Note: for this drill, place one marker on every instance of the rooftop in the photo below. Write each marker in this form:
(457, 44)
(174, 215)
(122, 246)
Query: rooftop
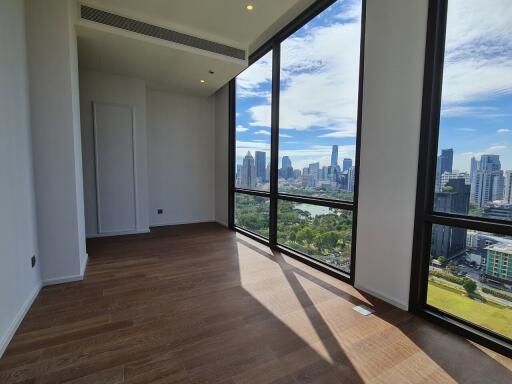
(500, 247)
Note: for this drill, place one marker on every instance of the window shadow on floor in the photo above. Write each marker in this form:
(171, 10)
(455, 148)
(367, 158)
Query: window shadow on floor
(449, 351)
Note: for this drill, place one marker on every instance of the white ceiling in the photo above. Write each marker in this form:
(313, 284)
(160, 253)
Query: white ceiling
(168, 66)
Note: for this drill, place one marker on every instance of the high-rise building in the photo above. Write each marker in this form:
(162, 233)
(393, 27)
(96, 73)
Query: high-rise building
(347, 164)
(308, 180)
(334, 155)
(450, 241)
(261, 163)
(314, 172)
(351, 179)
(446, 160)
(286, 172)
(248, 177)
(473, 169)
(324, 173)
(507, 193)
(286, 162)
(490, 163)
(488, 182)
(438, 175)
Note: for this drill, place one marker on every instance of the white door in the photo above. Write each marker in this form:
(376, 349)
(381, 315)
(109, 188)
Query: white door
(115, 168)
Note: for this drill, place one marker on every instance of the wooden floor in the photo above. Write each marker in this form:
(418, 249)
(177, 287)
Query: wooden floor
(201, 304)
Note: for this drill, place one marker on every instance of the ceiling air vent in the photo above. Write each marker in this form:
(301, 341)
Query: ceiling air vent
(112, 20)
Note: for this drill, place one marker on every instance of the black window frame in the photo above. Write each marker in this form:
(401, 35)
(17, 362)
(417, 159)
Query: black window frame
(274, 45)
(425, 215)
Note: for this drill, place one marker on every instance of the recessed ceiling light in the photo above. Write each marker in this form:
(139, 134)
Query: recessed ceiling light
(203, 81)
(249, 7)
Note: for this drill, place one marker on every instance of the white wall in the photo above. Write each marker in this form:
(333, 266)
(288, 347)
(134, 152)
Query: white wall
(180, 158)
(221, 155)
(101, 87)
(19, 282)
(55, 125)
(393, 80)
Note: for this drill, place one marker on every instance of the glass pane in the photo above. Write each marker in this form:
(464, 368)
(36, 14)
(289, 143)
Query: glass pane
(252, 213)
(475, 137)
(320, 232)
(253, 105)
(471, 277)
(318, 104)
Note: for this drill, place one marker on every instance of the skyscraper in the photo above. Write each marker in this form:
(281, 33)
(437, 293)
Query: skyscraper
(446, 160)
(490, 163)
(488, 183)
(347, 164)
(287, 168)
(438, 175)
(261, 165)
(450, 241)
(351, 179)
(334, 155)
(473, 169)
(248, 179)
(507, 195)
(314, 172)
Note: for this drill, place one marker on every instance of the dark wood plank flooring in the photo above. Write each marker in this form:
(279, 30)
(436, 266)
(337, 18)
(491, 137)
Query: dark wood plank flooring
(201, 304)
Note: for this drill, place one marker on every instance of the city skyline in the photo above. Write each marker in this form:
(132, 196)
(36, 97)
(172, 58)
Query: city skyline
(329, 180)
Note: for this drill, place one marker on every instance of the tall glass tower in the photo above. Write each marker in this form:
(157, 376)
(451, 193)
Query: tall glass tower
(334, 156)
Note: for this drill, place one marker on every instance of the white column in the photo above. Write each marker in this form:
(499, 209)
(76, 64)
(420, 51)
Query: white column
(55, 119)
(392, 98)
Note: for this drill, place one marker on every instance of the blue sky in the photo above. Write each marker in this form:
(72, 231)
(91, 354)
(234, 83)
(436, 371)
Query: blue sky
(477, 88)
(319, 86)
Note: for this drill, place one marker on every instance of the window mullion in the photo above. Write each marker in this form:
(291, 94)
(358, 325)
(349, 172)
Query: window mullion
(274, 141)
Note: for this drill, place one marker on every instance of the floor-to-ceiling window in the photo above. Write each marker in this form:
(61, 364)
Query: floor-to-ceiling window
(463, 246)
(295, 123)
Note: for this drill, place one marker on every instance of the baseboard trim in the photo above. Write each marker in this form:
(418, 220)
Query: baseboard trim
(396, 303)
(122, 233)
(83, 266)
(222, 223)
(67, 279)
(182, 223)
(6, 339)
(62, 280)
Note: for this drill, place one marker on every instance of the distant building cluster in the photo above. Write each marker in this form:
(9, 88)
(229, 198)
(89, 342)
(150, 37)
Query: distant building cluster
(490, 186)
(487, 189)
(255, 172)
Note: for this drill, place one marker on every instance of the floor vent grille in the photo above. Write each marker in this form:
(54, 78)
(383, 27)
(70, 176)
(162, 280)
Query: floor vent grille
(113, 20)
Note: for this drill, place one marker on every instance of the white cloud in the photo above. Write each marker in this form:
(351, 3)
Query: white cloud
(242, 147)
(285, 135)
(496, 148)
(249, 83)
(503, 130)
(459, 110)
(339, 134)
(241, 128)
(466, 129)
(320, 76)
(478, 55)
(262, 132)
